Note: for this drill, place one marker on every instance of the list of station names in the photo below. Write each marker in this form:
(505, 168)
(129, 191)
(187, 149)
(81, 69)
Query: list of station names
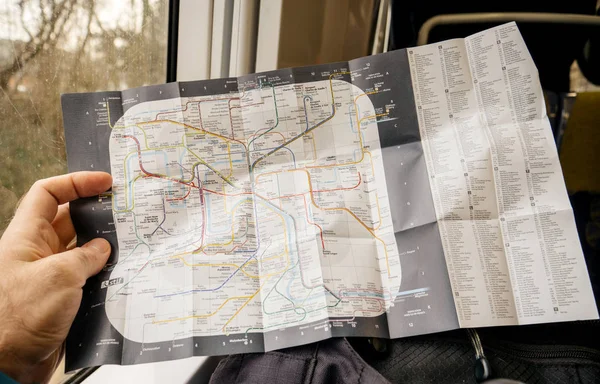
(506, 224)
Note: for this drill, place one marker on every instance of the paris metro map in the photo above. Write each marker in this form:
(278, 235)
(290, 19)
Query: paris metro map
(379, 197)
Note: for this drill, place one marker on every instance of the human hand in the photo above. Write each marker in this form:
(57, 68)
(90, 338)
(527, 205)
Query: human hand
(40, 280)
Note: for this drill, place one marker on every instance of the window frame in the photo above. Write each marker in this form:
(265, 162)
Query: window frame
(173, 40)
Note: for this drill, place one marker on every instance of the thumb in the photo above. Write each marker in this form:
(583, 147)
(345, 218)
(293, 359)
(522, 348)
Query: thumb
(90, 258)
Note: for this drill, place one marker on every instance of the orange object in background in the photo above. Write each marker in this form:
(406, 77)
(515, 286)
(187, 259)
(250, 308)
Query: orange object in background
(580, 150)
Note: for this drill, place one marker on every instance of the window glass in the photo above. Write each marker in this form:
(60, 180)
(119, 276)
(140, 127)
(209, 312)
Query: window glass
(49, 47)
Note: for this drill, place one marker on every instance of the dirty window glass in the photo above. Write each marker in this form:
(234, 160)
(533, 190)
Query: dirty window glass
(49, 47)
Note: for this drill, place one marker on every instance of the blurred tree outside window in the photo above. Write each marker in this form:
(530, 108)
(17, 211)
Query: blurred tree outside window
(49, 47)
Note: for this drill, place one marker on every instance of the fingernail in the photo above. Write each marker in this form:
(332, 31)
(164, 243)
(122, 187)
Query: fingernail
(100, 245)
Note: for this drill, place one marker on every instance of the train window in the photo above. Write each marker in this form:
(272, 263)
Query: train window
(49, 47)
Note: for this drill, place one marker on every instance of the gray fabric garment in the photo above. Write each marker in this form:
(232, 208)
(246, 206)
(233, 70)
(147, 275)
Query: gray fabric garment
(329, 361)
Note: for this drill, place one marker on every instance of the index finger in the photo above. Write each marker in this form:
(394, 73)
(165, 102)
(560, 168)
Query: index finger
(46, 195)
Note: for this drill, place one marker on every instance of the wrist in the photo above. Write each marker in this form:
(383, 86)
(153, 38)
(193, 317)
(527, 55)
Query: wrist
(5, 379)
(10, 365)
(8, 369)
(13, 370)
